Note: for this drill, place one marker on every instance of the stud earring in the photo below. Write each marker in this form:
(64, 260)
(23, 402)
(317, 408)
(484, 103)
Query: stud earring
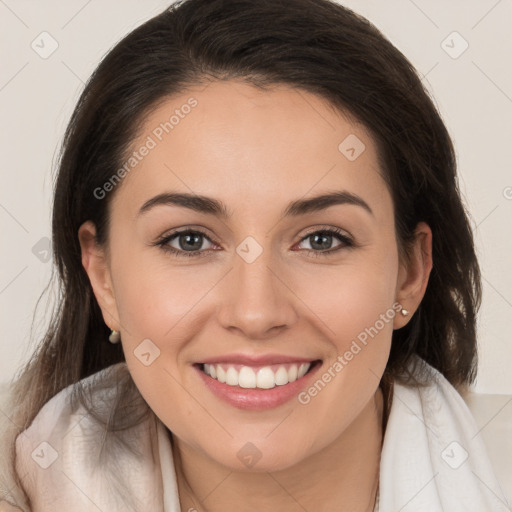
(114, 337)
(404, 312)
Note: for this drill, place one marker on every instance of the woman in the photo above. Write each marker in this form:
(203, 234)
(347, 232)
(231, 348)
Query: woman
(257, 206)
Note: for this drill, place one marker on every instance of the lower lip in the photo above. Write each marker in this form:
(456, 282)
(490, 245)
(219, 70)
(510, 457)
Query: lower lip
(254, 398)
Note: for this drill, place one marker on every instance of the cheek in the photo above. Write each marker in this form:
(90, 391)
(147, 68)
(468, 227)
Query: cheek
(351, 296)
(155, 305)
(354, 303)
(153, 293)
(357, 314)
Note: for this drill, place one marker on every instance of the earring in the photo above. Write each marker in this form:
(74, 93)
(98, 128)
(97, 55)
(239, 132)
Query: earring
(115, 337)
(404, 312)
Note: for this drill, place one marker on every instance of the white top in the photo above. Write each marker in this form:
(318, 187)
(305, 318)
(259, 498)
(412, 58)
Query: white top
(433, 458)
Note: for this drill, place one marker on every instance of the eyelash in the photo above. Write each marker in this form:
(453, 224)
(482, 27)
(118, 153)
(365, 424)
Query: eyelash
(163, 242)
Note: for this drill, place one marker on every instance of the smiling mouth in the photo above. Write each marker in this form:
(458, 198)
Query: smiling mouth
(257, 377)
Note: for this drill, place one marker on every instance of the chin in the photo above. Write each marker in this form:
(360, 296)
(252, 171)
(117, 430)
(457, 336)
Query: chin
(254, 457)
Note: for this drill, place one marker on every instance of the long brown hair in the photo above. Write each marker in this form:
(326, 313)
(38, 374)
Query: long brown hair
(313, 45)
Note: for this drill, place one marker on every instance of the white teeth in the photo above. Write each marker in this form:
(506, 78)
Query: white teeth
(304, 367)
(264, 378)
(232, 377)
(246, 377)
(281, 376)
(292, 373)
(221, 374)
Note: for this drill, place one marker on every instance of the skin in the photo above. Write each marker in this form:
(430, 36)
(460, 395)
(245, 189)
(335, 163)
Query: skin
(257, 151)
(7, 507)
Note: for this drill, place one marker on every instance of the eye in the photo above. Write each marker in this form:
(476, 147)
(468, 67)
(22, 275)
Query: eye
(320, 242)
(185, 243)
(190, 242)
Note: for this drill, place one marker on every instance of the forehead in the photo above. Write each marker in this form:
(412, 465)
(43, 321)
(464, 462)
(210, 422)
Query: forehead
(251, 146)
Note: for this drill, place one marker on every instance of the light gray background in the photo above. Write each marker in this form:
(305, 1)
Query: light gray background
(472, 91)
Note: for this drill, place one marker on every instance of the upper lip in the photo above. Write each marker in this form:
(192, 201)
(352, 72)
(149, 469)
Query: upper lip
(252, 360)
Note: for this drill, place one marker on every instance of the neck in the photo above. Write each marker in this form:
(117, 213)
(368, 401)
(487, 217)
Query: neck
(342, 476)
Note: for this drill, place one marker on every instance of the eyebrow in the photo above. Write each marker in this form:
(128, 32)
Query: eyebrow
(210, 206)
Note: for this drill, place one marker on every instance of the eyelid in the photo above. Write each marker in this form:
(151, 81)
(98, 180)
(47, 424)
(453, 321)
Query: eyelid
(347, 241)
(317, 229)
(166, 237)
(187, 229)
(344, 237)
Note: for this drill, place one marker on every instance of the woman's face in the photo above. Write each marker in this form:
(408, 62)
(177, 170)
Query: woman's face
(264, 283)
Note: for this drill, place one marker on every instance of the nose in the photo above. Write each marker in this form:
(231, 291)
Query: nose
(257, 300)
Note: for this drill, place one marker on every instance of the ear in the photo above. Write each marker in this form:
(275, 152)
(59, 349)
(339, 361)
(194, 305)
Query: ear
(414, 273)
(95, 262)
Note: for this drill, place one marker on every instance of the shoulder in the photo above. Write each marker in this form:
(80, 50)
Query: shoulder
(35, 448)
(432, 435)
(81, 437)
(433, 402)
(68, 407)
